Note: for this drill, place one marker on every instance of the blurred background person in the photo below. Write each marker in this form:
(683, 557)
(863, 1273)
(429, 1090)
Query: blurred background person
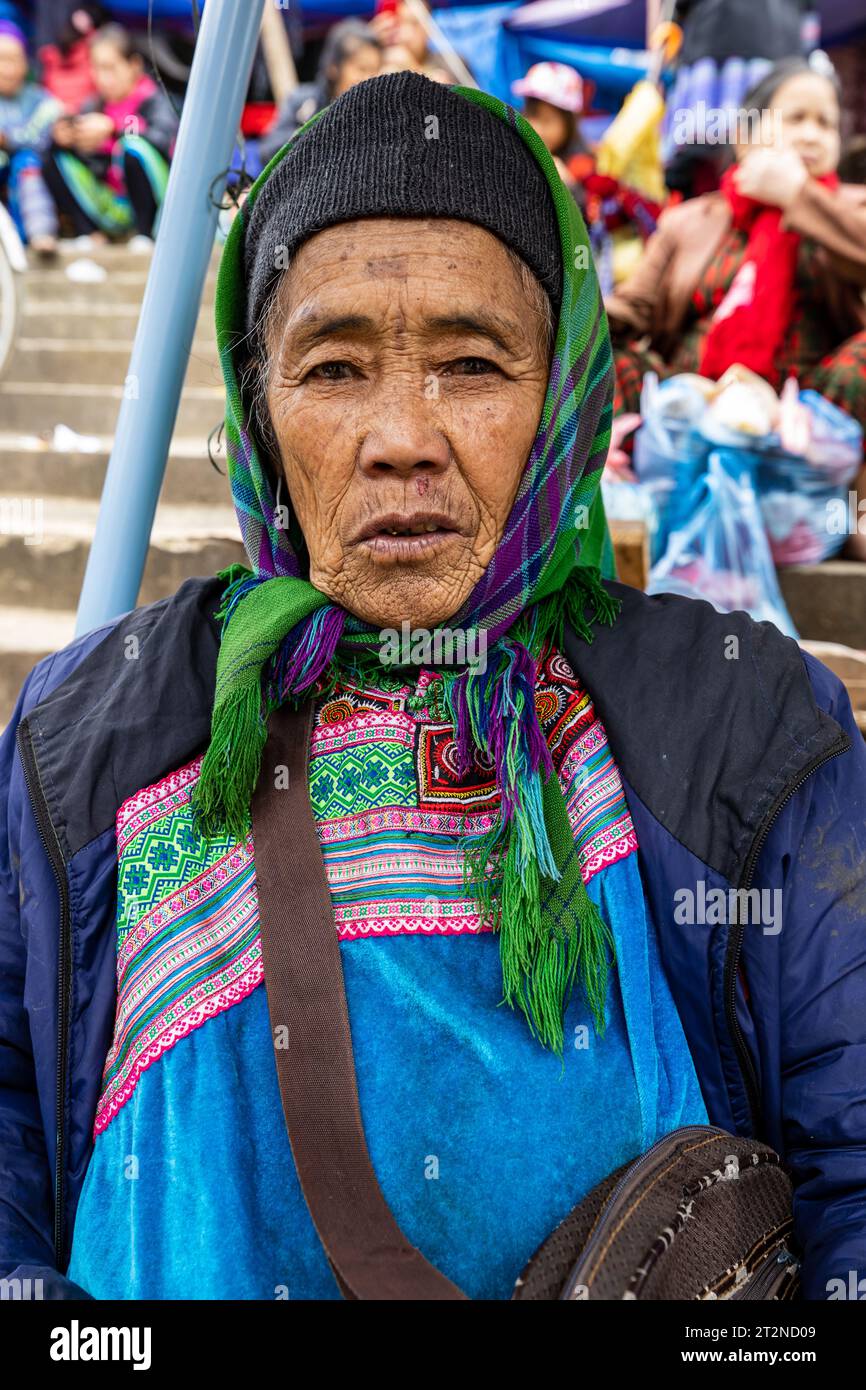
(351, 53)
(768, 272)
(65, 64)
(727, 46)
(27, 114)
(108, 168)
(619, 218)
(406, 41)
(554, 97)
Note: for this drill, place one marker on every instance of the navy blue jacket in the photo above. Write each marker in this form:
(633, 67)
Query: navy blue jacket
(742, 767)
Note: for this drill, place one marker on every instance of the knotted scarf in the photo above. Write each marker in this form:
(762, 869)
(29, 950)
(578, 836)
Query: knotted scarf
(283, 639)
(750, 323)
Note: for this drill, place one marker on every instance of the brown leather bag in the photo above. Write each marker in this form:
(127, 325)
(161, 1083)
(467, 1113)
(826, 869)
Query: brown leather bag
(702, 1214)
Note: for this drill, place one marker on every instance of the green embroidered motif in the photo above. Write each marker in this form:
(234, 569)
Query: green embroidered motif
(345, 781)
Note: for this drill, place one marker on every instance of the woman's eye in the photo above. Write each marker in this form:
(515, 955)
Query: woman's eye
(470, 366)
(332, 371)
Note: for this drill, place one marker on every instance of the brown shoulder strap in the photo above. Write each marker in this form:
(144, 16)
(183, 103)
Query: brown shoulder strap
(370, 1256)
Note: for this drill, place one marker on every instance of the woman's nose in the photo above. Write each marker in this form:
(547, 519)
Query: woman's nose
(404, 439)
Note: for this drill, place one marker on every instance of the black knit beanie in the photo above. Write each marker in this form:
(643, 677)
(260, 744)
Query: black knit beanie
(403, 146)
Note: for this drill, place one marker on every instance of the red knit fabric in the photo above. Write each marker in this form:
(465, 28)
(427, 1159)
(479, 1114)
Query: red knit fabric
(750, 323)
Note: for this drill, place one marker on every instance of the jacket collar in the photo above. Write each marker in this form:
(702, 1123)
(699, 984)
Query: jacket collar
(137, 707)
(710, 717)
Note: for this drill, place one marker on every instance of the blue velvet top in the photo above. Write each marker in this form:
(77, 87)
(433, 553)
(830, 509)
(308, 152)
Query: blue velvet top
(482, 1141)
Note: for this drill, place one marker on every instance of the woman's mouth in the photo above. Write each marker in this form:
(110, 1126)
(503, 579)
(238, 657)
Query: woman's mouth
(398, 538)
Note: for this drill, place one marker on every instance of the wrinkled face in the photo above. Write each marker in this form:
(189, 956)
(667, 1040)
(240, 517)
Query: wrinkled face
(363, 61)
(408, 367)
(806, 119)
(113, 75)
(13, 66)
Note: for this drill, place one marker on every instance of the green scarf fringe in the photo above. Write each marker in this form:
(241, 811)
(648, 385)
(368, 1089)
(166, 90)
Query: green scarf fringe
(524, 875)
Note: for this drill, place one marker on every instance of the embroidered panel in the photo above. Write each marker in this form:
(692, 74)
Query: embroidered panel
(399, 869)
(390, 810)
(188, 943)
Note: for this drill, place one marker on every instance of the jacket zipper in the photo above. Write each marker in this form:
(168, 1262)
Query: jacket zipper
(51, 844)
(735, 945)
(777, 1269)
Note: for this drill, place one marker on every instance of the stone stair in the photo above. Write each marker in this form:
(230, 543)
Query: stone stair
(69, 369)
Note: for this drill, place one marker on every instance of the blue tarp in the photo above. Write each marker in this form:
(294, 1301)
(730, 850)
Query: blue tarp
(500, 41)
(623, 22)
(498, 54)
(610, 24)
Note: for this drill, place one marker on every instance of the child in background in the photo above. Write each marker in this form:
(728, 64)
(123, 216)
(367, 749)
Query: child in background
(554, 98)
(767, 273)
(108, 168)
(27, 114)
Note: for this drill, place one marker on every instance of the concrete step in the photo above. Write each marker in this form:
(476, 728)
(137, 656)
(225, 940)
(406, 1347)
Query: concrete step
(44, 545)
(33, 468)
(113, 256)
(31, 407)
(118, 287)
(26, 635)
(827, 602)
(97, 362)
(77, 318)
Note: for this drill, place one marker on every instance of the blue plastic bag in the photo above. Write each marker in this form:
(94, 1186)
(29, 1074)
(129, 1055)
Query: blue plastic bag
(670, 454)
(722, 553)
(801, 496)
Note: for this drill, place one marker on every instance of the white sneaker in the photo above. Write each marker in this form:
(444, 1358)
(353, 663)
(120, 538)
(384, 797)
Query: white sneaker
(86, 272)
(140, 245)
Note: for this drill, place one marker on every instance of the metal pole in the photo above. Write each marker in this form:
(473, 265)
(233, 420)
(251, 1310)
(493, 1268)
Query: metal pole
(218, 83)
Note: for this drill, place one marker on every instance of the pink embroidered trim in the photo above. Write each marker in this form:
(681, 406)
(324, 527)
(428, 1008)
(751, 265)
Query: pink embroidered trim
(407, 919)
(347, 828)
(189, 895)
(166, 1032)
(152, 803)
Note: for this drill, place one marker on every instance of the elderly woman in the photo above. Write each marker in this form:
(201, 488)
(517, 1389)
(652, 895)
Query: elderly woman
(225, 798)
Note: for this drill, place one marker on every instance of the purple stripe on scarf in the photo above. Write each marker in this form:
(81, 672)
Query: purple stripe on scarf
(309, 658)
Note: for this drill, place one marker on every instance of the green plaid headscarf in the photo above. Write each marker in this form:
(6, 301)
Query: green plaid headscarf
(283, 639)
